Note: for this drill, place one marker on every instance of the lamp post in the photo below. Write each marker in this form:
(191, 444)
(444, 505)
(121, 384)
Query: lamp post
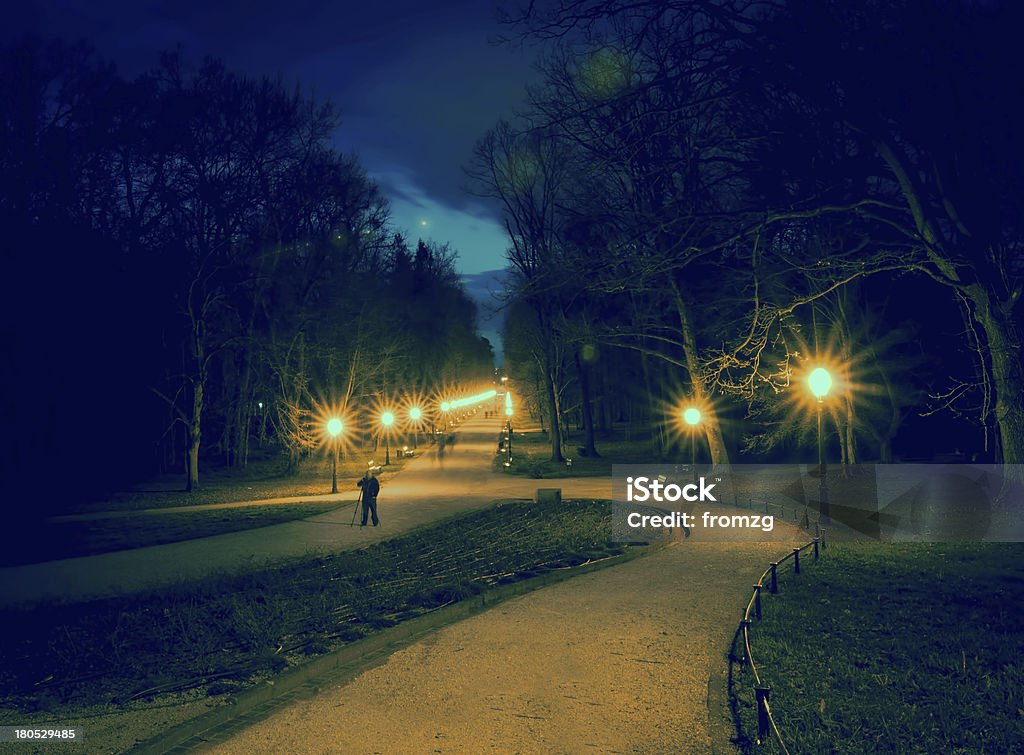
(508, 424)
(334, 428)
(445, 408)
(387, 419)
(414, 416)
(820, 383)
(692, 417)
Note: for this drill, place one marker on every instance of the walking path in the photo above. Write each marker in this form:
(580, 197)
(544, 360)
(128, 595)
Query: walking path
(613, 661)
(619, 660)
(427, 489)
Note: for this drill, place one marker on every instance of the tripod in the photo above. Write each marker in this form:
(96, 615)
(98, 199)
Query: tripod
(359, 500)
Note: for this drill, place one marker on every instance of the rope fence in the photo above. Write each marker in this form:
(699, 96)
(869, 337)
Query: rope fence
(766, 725)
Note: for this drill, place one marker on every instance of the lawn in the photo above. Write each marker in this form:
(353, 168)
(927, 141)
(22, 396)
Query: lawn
(909, 648)
(54, 540)
(531, 456)
(222, 634)
(264, 477)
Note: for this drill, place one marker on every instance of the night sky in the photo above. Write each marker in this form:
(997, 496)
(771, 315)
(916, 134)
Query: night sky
(416, 84)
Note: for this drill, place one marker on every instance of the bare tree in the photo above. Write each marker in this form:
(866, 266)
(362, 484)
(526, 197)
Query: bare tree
(528, 172)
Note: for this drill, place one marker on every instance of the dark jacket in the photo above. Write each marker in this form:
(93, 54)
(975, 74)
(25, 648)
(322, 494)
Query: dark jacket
(370, 486)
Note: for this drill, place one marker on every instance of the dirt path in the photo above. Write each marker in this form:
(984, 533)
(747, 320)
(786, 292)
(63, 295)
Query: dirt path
(615, 661)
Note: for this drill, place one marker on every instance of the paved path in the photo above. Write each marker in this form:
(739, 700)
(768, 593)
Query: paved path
(426, 490)
(615, 661)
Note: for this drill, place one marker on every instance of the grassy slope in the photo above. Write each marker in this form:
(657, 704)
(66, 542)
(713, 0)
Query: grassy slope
(55, 540)
(225, 632)
(910, 648)
(532, 456)
(263, 478)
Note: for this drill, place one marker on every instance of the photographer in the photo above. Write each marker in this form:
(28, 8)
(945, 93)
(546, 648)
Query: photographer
(371, 489)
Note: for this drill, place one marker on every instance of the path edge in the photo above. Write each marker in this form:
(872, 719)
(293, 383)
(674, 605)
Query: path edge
(347, 662)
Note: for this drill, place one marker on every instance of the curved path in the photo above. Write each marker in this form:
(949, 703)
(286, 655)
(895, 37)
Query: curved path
(619, 660)
(424, 491)
(613, 661)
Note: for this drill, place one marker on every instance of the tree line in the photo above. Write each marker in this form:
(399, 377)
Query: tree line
(705, 198)
(191, 265)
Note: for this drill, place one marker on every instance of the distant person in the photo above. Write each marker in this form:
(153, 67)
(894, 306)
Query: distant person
(371, 489)
(441, 443)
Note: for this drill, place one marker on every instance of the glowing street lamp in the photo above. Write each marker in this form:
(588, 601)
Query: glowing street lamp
(820, 383)
(692, 417)
(387, 419)
(445, 408)
(334, 429)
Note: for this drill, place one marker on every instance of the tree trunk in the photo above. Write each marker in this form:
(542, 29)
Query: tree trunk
(885, 450)
(540, 406)
(657, 435)
(555, 423)
(712, 427)
(1004, 347)
(195, 434)
(850, 457)
(549, 368)
(601, 402)
(298, 391)
(589, 448)
(895, 413)
(243, 410)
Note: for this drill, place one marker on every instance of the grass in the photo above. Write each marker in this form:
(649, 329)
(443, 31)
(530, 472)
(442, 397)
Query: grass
(54, 540)
(224, 633)
(910, 648)
(262, 478)
(531, 454)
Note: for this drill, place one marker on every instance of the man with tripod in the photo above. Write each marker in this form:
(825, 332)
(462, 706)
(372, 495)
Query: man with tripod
(371, 488)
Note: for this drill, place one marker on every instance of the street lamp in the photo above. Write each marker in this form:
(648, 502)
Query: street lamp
(820, 383)
(334, 428)
(508, 424)
(446, 407)
(387, 419)
(692, 417)
(414, 415)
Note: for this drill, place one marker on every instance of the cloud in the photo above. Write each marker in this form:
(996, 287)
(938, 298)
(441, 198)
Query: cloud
(472, 230)
(488, 290)
(416, 85)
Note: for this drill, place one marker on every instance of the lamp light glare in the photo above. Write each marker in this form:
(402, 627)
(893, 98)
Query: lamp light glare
(471, 399)
(692, 416)
(415, 413)
(334, 426)
(387, 419)
(820, 382)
